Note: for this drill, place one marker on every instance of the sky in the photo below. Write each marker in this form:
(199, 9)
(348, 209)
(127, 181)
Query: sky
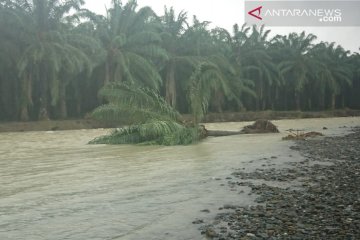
(225, 13)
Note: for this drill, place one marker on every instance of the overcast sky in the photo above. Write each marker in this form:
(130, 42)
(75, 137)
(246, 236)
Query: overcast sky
(224, 13)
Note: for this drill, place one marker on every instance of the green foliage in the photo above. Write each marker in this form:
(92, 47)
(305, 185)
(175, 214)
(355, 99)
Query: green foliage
(156, 121)
(132, 43)
(139, 102)
(206, 79)
(152, 132)
(55, 57)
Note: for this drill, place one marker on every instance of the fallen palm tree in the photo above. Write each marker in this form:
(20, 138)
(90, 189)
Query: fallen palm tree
(219, 133)
(154, 121)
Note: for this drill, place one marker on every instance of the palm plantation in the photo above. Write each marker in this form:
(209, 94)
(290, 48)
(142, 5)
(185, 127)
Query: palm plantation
(58, 60)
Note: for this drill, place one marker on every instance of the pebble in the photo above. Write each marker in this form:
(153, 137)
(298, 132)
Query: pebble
(205, 211)
(198, 221)
(325, 205)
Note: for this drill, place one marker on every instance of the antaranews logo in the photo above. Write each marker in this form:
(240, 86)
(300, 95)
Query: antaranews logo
(256, 10)
(326, 15)
(303, 13)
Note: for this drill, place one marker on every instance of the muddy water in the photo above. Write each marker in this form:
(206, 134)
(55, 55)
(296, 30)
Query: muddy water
(55, 186)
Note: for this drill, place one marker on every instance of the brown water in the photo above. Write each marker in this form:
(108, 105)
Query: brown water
(54, 186)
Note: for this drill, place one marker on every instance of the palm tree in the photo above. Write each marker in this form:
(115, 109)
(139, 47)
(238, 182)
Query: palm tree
(352, 94)
(295, 65)
(255, 62)
(132, 42)
(205, 82)
(87, 52)
(49, 51)
(335, 72)
(209, 71)
(55, 57)
(11, 46)
(179, 64)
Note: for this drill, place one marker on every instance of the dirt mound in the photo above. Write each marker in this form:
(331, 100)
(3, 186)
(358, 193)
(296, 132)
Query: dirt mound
(260, 126)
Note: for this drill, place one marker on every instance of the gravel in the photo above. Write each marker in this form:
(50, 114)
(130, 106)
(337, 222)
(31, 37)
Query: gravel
(323, 201)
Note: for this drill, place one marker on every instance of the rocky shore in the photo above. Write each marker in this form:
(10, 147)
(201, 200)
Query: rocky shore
(322, 201)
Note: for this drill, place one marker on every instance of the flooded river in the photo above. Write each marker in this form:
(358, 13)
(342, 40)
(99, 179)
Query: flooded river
(54, 186)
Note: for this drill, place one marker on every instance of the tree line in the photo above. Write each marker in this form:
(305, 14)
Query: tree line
(55, 57)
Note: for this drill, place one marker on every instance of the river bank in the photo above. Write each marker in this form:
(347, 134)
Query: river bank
(76, 124)
(317, 198)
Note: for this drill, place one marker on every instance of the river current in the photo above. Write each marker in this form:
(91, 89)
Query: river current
(53, 185)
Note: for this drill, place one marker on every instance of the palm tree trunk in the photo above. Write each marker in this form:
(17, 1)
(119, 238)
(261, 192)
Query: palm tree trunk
(285, 99)
(62, 100)
(24, 114)
(107, 73)
(297, 102)
(262, 96)
(43, 112)
(258, 99)
(170, 86)
(333, 102)
(263, 105)
(78, 107)
(274, 101)
(309, 104)
(322, 102)
(27, 97)
(257, 105)
(218, 101)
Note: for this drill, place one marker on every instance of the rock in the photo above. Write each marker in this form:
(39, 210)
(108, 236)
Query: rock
(324, 204)
(210, 233)
(198, 221)
(250, 235)
(205, 211)
(229, 206)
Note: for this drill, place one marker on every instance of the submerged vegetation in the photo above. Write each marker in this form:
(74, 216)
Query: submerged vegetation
(55, 57)
(152, 133)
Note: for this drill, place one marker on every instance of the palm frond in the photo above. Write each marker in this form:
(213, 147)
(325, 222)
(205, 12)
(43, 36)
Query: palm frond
(127, 98)
(152, 132)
